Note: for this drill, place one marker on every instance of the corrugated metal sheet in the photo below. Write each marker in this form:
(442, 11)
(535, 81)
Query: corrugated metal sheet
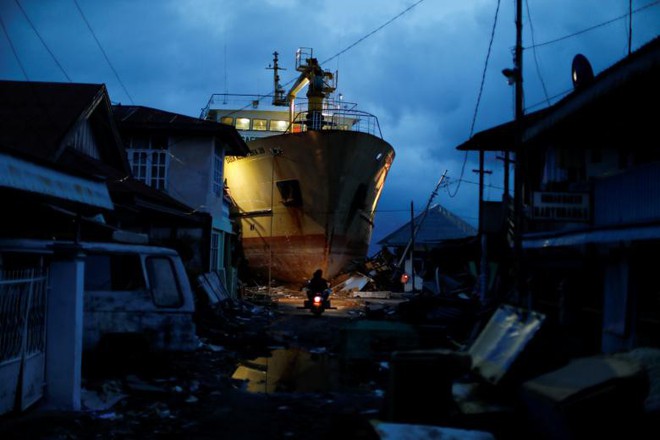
(19, 174)
(439, 225)
(630, 197)
(632, 233)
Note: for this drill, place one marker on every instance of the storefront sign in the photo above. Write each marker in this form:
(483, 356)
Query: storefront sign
(561, 206)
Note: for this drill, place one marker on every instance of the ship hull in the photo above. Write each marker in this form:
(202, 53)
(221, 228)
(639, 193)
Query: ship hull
(307, 200)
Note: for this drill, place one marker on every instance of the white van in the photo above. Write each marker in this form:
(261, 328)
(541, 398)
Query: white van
(140, 291)
(137, 294)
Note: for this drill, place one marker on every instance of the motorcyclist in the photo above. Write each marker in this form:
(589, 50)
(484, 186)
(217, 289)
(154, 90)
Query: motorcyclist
(317, 284)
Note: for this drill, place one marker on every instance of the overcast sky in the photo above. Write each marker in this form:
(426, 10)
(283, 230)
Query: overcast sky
(420, 74)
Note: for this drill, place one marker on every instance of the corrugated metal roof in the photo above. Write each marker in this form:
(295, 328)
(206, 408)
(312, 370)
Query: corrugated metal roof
(140, 118)
(36, 116)
(19, 174)
(601, 236)
(438, 226)
(638, 72)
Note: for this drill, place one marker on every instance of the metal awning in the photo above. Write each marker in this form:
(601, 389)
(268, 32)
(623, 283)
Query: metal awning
(27, 176)
(600, 236)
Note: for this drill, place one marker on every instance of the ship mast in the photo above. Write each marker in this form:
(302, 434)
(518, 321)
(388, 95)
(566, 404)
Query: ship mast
(319, 84)
(278, 91)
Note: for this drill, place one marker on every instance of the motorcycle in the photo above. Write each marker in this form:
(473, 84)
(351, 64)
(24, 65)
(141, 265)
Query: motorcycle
(318, 302)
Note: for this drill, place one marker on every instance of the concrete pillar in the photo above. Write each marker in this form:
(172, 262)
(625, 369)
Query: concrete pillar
(64, 331)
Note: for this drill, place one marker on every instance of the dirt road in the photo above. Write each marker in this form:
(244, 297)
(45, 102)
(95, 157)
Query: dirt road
(274, 373)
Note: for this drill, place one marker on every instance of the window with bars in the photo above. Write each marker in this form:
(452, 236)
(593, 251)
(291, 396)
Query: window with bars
(149, 159)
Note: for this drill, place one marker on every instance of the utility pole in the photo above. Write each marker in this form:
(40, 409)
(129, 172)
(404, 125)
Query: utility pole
(483, 265)
(519, 186)
(274, 152)
(421, 220)
(412, 245)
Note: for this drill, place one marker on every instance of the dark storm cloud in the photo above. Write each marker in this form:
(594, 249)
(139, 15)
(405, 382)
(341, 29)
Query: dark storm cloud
(420, 74)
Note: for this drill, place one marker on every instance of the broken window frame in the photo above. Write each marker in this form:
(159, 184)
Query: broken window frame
(290, 192)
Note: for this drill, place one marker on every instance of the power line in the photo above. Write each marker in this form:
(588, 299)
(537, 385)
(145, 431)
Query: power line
(13, 49)
(483, 74)
(373, 32)
(42, 40)
(630, 12)
(605, 23)
(270, 95)
(477, 183)
(98, 43)
(536, 60)
(565, 92)
(481, 89)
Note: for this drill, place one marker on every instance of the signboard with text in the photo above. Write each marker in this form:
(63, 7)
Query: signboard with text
(561, 206)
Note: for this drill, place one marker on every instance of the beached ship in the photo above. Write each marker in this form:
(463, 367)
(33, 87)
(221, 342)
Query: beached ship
(306, 194)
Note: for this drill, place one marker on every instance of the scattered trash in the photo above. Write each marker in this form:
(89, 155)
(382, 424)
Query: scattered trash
(101, 400)
(354, 283)
(214, 287)
(108, 416)
(383, 294)
(211, 347)
(134, 383)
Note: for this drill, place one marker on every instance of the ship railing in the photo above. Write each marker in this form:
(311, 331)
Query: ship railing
(336, 114)
(235, 101)
(344, 117)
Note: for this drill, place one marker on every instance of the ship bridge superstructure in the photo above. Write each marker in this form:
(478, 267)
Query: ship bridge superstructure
(254, 117)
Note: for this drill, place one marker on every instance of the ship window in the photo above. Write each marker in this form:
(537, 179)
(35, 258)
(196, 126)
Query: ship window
(259, 124)
(290, 193)
(276, 125)
(242, 123)
(227, 120)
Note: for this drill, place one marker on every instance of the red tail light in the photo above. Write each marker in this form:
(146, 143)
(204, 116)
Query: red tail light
(317, 300)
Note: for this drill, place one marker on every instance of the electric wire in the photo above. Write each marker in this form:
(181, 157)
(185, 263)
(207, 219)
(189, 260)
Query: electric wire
(565, 92)
(13, 49)
(630, 14)
(476, 108)
(52, 55)
(536, 60)
(605, 23)
(270, 95)
(373, 32)
(105, 55)
(552, 98)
